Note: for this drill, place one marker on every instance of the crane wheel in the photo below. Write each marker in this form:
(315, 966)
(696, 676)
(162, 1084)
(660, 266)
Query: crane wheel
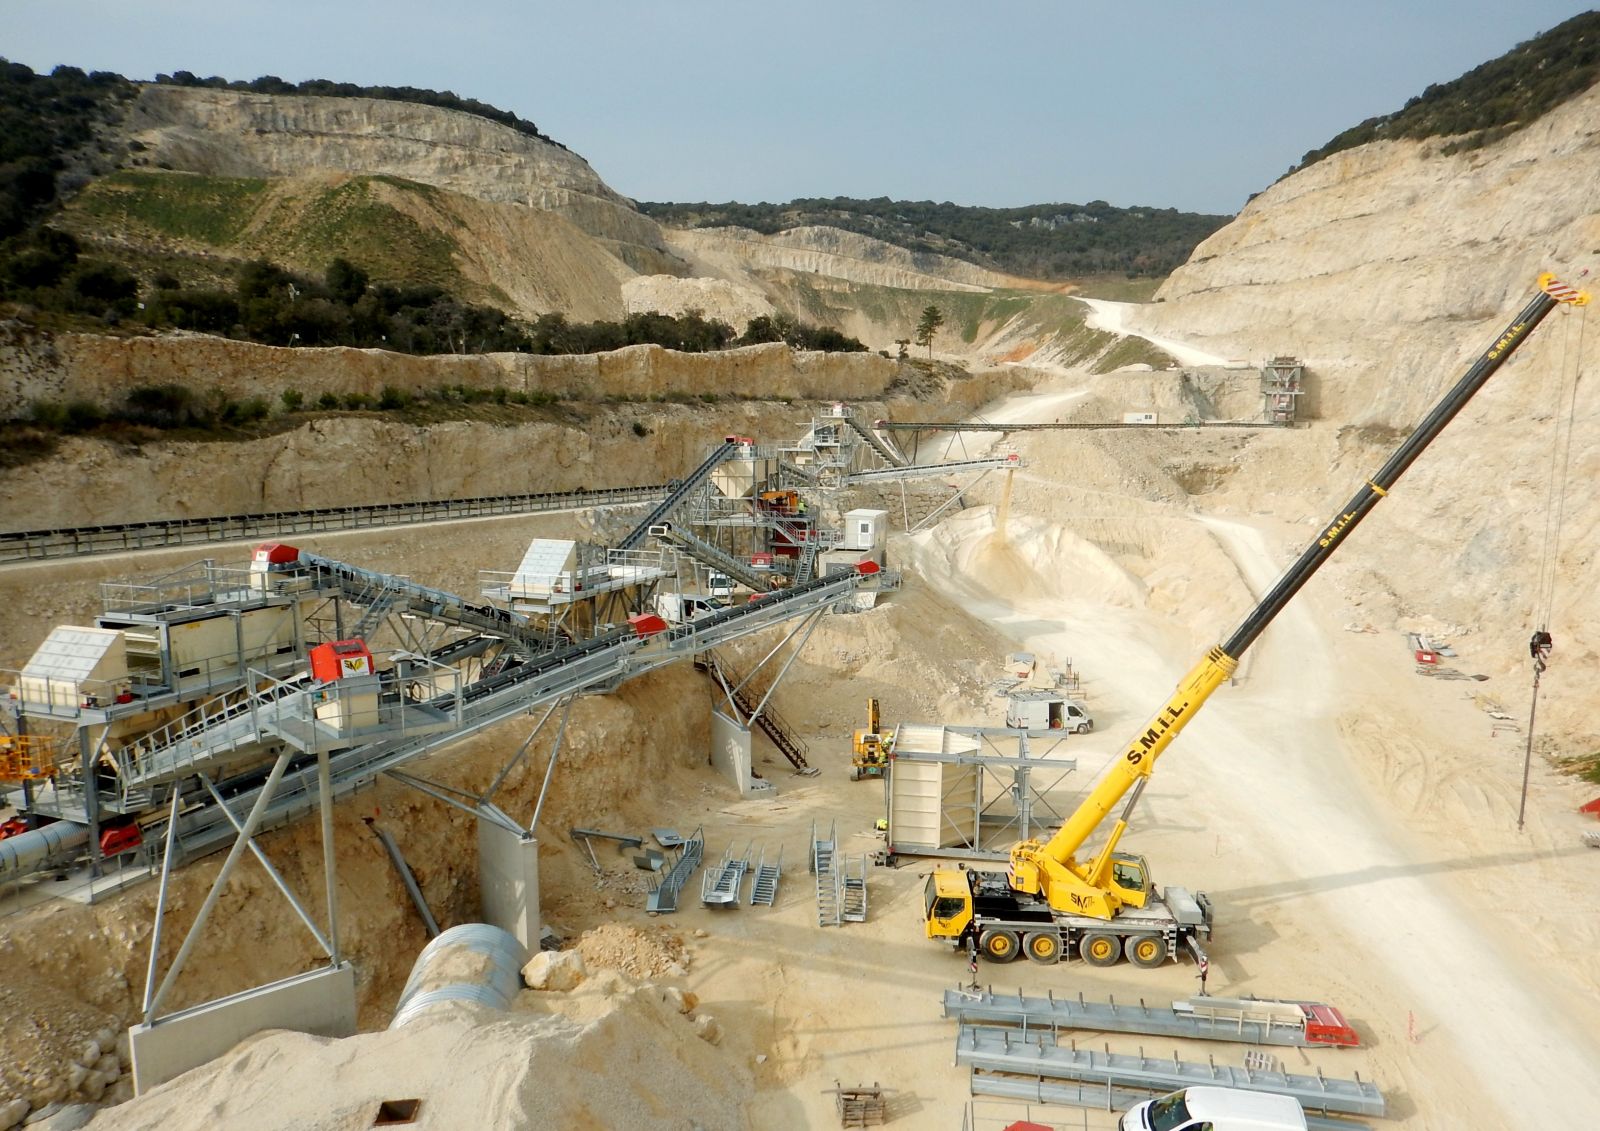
(1044, 947)
(855, 773)
(1100, 949)
(1000, 945)
(1147, 951)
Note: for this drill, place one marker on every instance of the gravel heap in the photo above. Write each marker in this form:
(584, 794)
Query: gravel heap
(639, 954)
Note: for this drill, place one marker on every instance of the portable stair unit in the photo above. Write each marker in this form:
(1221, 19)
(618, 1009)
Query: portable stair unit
(719, 887)
(664, 896)
(822, 868)
(764, 889)
(853, 890)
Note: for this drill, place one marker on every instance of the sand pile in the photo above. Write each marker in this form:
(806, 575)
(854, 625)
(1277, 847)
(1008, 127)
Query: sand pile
(613, 1053)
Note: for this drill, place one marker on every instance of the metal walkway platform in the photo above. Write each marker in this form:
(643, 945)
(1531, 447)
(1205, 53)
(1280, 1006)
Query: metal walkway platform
(989, 426)
(1246, 1021)
(890, 454)
(664, 896)
(704, 552)
(592, 666)
(1037, 1053)
(384, 593)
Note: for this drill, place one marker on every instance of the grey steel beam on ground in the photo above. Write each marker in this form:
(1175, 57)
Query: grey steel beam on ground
(1037, 1054)
(1098, 1097)
(77, 541)
(1111, 1016)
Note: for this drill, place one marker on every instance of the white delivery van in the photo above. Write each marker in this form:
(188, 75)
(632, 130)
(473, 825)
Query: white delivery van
(681, 608)
(1216, 1109)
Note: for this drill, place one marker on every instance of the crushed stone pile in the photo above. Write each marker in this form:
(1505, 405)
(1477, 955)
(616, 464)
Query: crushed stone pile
(639, 954)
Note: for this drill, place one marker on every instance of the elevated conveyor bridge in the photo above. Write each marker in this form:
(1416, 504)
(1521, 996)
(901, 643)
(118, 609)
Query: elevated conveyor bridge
(233, 742)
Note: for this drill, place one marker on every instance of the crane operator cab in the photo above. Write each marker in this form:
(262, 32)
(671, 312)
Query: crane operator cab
(947, 905)
(1131, 877)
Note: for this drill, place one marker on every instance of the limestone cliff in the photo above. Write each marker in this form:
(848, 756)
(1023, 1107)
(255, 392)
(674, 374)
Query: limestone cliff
(101, 369)
(617, 424)
(1390, 268)
(239, 134)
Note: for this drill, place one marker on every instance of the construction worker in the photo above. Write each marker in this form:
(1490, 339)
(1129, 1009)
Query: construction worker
(1205, 968)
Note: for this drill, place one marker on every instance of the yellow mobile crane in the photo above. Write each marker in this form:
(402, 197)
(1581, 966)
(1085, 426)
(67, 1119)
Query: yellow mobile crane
(1106, 906)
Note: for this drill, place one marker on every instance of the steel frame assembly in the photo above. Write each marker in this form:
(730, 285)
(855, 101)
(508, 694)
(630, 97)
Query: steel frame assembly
(956, 792)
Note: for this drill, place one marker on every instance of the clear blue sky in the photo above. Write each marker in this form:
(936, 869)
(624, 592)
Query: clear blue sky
(1166, 103)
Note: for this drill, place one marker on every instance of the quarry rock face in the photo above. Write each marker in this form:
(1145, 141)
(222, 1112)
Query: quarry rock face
(1386, 264)
(240, 134)
(102, 369)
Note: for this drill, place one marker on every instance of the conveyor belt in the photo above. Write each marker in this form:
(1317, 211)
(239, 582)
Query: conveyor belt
(677, 495)
(76, 541)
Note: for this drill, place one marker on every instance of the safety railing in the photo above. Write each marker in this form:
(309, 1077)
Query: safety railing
(197, 586)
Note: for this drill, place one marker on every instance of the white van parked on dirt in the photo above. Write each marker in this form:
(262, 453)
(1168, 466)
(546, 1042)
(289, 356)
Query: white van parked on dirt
(1216, 1109)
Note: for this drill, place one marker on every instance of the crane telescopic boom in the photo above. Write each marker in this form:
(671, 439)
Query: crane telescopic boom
(1050, 870)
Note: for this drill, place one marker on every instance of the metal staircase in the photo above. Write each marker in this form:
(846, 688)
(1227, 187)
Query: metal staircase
(769, 722)
(852, 899)
(764, 889)
(890, 455)
(378, 607)
(805, 566)
(822, 868)
(719, 887)
(718, 559)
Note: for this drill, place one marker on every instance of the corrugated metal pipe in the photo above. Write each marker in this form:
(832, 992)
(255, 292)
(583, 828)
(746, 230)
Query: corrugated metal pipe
(27, 852)
(470, 964)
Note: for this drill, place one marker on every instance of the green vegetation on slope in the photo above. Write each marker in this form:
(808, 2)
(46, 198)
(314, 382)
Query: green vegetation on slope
(186, 206)
(1494, 99)
(1040, 241)
(44, 121)
(358, 218)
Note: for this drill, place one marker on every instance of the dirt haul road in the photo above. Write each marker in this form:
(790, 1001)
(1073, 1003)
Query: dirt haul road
(1294, 798)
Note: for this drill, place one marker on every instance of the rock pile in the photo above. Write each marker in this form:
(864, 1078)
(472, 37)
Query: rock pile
(639, 954)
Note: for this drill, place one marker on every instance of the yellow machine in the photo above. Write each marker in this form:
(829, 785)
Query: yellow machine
(870, 757)
(1106, 906)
